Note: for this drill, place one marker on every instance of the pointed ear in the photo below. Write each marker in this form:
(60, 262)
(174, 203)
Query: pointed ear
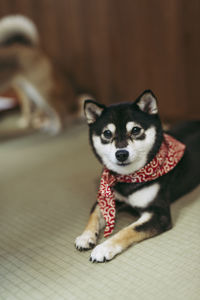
(147, 103)
(92, 110)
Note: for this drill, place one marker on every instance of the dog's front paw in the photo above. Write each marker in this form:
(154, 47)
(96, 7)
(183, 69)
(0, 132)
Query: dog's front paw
(104, 252)
(86, 241)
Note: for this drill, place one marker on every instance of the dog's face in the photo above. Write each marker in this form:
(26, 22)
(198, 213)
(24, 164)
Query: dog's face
(125, 136)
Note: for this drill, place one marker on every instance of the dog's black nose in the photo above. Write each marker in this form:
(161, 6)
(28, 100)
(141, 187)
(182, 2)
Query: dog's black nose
(122, 155)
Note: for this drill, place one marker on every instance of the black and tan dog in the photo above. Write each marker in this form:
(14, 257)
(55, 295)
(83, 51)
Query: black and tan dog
(129, 141)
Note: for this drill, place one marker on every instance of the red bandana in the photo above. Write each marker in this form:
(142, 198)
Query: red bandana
(170, 153)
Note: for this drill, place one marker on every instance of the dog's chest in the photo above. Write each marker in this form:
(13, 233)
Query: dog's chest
(140, 198)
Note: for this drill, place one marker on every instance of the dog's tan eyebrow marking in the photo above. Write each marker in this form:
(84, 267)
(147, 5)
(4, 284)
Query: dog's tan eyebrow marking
(130, 125)
(110, 127)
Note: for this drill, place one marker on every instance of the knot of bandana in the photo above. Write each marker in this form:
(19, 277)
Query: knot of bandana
(170, 153)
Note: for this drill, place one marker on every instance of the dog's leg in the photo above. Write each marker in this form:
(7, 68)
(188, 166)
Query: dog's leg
(88, 238)
(25, 119)
(148, 225)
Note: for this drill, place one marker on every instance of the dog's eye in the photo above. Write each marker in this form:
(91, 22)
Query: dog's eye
(136, 130)
(107, 134)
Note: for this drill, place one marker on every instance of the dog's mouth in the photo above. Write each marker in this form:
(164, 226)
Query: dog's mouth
(123, 164)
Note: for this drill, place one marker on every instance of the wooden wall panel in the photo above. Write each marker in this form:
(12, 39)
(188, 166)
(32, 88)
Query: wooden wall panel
(116, 48)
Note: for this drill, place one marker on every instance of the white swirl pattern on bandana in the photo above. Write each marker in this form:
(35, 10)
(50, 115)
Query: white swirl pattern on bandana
(170, 153)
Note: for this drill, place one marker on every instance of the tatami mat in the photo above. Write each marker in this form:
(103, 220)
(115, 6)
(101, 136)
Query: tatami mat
(47, 187)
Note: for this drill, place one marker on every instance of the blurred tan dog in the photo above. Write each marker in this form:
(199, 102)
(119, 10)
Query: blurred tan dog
(45, 95)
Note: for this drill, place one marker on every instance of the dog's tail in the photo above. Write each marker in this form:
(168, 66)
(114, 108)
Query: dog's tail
(18, 29)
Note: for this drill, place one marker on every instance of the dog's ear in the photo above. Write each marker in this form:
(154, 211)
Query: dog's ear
(92, 110)
(147, 102)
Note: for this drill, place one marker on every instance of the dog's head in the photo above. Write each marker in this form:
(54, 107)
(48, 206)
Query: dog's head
(125, 136)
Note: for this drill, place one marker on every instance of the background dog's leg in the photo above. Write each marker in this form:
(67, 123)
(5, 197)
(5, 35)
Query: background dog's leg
(25, 105)
(88, 238)
(145, 227)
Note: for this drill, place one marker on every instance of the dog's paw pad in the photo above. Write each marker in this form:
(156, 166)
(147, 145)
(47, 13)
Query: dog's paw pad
(92, 245)
(104, 252)
(85, 241)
